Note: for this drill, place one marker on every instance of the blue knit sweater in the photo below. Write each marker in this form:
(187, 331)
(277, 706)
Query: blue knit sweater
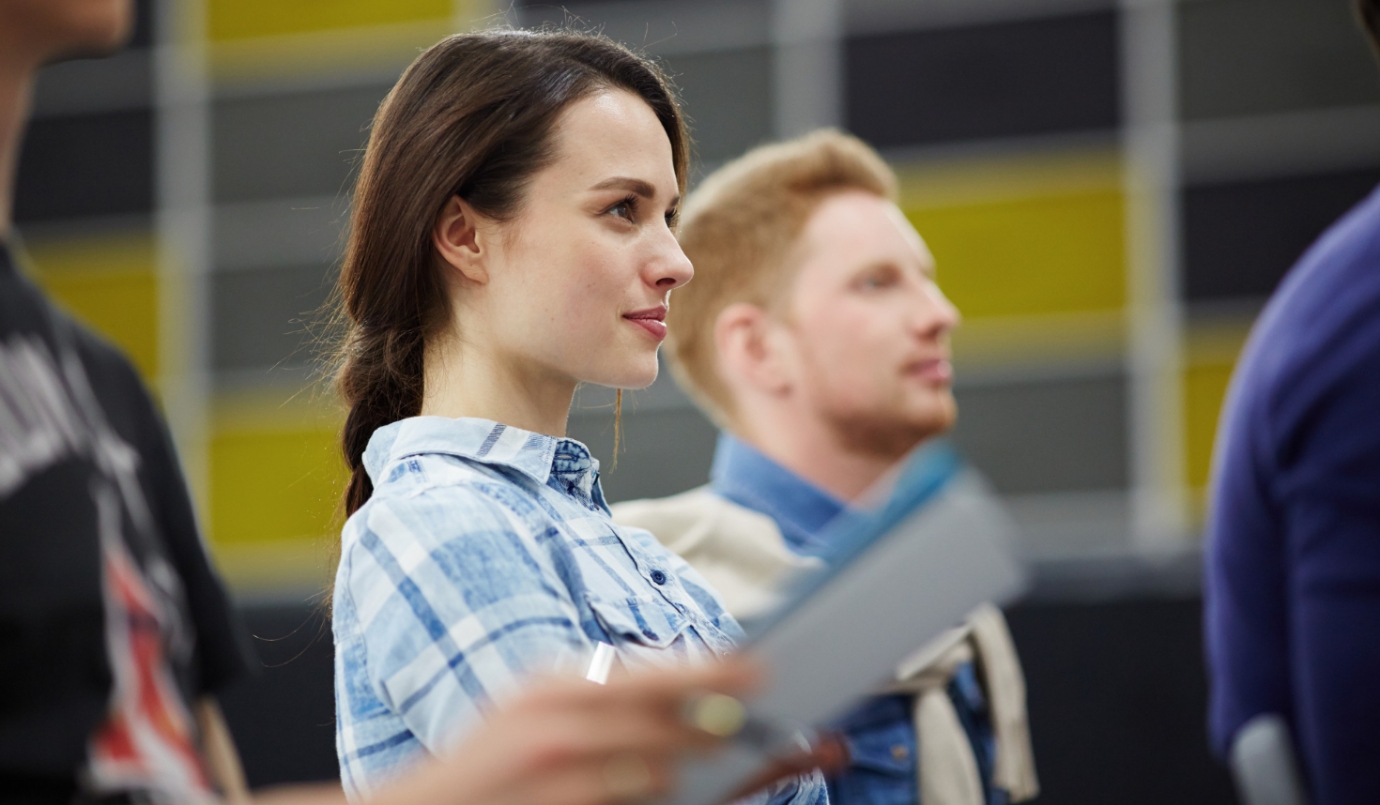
(1293, 563)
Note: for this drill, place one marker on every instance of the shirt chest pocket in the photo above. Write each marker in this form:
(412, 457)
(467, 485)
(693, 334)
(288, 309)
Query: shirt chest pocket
(638, 623)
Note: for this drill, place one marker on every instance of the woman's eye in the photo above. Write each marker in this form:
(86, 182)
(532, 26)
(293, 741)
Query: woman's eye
(672, 218)
(624, 209)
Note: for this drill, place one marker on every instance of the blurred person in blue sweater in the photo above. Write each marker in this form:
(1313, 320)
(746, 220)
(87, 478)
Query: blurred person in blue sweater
(1292, 598)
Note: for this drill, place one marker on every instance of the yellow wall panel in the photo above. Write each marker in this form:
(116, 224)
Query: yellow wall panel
(1205, 387)
(247, 19)
(1029, 256)
(1210, 354)
(1024, 236)
(111, 285)
(271, 485)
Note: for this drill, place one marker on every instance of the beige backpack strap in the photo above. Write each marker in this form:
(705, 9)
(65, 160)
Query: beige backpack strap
(946, 769)
(1004, 684)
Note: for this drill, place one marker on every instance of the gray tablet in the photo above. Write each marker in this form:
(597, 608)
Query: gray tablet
(897, 577)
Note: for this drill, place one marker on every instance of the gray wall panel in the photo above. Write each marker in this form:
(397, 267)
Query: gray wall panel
(1029, 437)
(1002, 79)
(1046, 435)
(728, 99)
(302, 144)
(1241, 57)
(662, 452)
(260, 317)
(1241, 237)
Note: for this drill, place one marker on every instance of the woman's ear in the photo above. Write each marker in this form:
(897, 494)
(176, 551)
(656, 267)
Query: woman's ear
(749, 355)
(459, 240)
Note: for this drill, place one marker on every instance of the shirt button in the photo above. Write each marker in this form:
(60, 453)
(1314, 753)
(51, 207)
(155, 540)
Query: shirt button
(900, 752)
(658, 577)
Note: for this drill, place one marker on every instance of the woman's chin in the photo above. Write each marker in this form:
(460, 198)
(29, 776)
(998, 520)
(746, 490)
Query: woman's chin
(631, 378)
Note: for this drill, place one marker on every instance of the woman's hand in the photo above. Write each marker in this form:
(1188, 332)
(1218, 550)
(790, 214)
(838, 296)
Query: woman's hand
(572, 742)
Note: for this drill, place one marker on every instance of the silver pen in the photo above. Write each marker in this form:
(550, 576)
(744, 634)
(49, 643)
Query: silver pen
(601, 663)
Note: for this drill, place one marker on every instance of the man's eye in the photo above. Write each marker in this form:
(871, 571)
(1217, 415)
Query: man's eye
(876, 282)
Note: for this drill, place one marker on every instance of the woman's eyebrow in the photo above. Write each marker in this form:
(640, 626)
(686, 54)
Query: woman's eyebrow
(636, 186)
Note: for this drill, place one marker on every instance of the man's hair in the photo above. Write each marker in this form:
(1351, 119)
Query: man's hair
(738, 228)
(1369, 12)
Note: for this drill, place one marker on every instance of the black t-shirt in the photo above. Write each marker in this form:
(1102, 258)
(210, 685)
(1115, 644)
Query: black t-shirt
(112, 621)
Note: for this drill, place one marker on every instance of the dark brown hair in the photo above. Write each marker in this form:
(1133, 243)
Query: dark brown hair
(473, 116)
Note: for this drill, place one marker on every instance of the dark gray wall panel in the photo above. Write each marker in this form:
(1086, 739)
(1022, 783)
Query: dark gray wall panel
(302, 144)
(1046, 435)
(89, 86)
(260, 317)
(1241, 237)
(1117, 697)
(998, 80)
(1241, 57)
(142, 35)
(728, 99)
(662, 452)
(283, 717)
(90, 164)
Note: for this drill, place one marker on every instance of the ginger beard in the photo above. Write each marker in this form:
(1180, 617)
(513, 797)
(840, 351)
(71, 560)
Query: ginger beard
(871, 407)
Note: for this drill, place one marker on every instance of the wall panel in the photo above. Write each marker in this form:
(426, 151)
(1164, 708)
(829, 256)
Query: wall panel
(1004, 79)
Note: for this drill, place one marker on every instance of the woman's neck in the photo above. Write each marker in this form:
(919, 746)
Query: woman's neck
(463, 381)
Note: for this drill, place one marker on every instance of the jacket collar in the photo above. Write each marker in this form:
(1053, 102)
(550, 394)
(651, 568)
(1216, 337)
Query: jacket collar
(486, 442)
(747, 477)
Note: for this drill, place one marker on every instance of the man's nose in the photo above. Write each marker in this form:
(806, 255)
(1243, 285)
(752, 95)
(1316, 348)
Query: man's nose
(935, 315)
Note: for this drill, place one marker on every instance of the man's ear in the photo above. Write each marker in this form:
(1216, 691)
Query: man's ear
(749, 350)
(460, 240)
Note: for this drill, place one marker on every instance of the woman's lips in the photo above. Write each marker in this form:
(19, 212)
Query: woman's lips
(653, 320)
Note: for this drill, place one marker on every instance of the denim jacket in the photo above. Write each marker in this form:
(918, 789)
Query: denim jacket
(486, 554)
(880, 734)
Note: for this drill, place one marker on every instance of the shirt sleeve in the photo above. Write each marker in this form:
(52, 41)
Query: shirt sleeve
(223, 650)
(1330, 490)
(223, 653)
(457, 604)
(1244, 600)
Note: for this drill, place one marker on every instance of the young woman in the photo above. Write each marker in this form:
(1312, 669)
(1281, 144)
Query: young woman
(512, 237)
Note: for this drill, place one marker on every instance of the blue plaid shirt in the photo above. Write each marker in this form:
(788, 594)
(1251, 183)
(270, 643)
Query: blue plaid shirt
(487, 554)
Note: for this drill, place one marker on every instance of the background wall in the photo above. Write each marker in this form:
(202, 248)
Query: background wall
(1111, 190)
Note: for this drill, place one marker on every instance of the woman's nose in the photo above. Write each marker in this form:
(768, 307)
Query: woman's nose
(672, 268)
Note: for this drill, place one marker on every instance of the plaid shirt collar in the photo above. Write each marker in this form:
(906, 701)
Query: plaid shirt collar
(536, 455)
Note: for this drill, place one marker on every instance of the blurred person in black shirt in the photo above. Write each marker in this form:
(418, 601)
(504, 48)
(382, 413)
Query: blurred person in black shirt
(115, 631)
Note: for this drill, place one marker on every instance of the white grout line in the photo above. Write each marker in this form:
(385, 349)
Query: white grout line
(807, 73)
(182, 220)
(1151, 137)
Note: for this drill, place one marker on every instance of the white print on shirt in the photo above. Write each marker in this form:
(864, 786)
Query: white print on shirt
(49, 412)
(38, 423)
